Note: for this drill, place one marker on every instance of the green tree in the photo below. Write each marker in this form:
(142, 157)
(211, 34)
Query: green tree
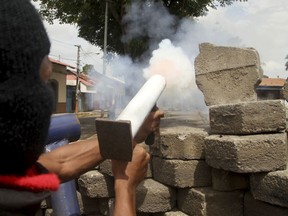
(88, 69)
(89, 17)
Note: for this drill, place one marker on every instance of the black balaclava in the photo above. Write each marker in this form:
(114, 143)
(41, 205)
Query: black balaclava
(25, 100)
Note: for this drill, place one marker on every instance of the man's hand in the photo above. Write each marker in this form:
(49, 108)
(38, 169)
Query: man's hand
(127, 176)
(150, 125)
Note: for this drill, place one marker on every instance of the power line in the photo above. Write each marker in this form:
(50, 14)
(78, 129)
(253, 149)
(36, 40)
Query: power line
(63, 42)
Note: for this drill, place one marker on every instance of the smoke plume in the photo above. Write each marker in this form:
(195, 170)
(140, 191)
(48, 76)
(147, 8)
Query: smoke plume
(174, 57)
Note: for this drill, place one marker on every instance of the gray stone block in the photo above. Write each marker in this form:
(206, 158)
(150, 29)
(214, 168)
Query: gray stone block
(208, 202)
(181, 143)
(180, 173)
(229, 181)
(253, 207)
(95, 184)
(248, 118)
(153, 196)
(271, 187)
(227, 74)
(218, 58)
(247, 154)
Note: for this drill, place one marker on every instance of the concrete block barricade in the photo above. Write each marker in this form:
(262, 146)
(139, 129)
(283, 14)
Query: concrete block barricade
(208, 202)
(180, 173)
(255, 207)
(271, 187)
(248, 118)
(247, 154)
(181, 143)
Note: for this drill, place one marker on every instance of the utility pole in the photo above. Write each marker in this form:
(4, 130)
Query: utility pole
(105, 38)
(77, 78)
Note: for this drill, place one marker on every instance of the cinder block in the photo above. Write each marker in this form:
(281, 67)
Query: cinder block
(247, 154)
(181, 143)
(229, 181)
(248, 118)
(227, 74)
(218, 58)
(208, 202)
(253, 207)
(95, 184)
(271, 187)
(153, 196)
(180, 173)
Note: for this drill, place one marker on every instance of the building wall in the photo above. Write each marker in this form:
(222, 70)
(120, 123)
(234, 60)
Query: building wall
(59, 79)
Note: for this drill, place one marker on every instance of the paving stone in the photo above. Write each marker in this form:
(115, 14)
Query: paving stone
(208, 202)
(227, 74)
(153, 196)
(248, 118)
(180, 173)
(271, 187)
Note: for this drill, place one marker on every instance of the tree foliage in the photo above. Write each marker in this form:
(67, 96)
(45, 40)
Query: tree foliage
(89, 17)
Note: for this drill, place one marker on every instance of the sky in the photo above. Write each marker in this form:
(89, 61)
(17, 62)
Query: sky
(262, 26)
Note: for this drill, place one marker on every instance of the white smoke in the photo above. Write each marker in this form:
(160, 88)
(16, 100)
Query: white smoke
(174, 57)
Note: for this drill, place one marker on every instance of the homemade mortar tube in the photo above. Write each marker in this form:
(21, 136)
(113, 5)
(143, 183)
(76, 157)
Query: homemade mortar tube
(115, 137)
(64, 201)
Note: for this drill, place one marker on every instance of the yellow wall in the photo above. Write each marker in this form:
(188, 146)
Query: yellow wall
(61, 79)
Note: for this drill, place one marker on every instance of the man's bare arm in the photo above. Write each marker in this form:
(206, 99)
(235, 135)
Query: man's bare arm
(72, 160)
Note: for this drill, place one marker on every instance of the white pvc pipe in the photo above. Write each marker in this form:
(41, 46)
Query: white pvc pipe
(142, 103)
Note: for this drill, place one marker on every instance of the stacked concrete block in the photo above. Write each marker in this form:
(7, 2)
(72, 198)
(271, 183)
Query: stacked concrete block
(257, 117)
(179, 142)
(246, 137)
(179, 159)
(247, 154)
(180, 173)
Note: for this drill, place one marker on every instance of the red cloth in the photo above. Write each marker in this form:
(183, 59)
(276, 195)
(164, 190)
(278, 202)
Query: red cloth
(32, 181)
